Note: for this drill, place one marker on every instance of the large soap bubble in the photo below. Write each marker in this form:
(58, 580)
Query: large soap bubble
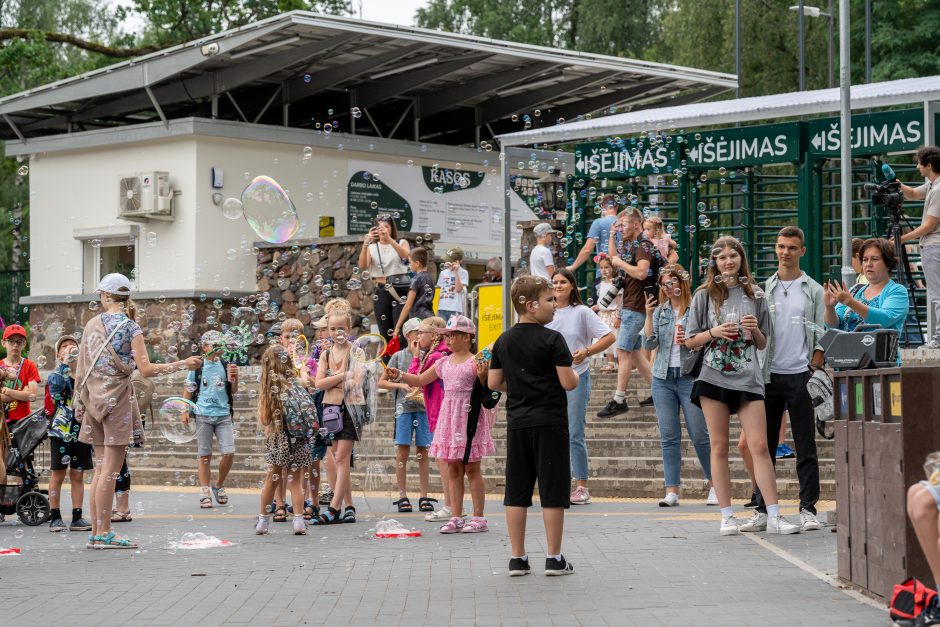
(176, 420)
(269, 210)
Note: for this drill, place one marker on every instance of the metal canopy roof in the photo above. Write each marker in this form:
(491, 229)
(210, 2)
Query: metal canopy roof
(873, 95)
(299, 69)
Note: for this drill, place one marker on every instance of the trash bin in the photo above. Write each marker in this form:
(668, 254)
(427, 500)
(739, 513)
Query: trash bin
(886, 422)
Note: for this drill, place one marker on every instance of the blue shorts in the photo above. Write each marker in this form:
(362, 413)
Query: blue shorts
(413, 423)
(445, 315)
(631, 325)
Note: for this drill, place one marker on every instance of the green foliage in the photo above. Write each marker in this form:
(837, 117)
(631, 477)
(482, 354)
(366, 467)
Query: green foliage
(176, 21)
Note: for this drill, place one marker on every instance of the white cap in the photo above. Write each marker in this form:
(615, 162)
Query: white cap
(114, 283)
(544, 228)
(411, 325)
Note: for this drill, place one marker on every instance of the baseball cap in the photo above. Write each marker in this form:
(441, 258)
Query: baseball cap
(114, 283)
(321, 323)
(410, 325)
(453, 254)
(544, 228)
(62, 340)
(14, 329)
(460, 324)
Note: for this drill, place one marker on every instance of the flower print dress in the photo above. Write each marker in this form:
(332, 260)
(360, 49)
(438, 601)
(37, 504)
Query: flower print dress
(450, 436)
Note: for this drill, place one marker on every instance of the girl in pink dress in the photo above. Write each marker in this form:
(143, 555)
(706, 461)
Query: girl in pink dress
(459, 371)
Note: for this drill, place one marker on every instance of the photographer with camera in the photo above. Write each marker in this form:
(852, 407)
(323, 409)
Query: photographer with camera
(928, 164)
(639, 261)
(385, 257)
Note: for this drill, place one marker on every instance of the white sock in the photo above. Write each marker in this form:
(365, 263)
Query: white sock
(619, 395)
(557, 558)
(524, 558)
(727, 512)
(773, 510)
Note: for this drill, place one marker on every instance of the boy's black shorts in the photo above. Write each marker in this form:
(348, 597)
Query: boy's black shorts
(538, 454)
(72, 454)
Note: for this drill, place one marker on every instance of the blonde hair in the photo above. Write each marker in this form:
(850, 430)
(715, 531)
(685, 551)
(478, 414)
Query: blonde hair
(338, 307)
(657, 223)
(277, 373)
(527, 289)
(434, 322)
(290, 325)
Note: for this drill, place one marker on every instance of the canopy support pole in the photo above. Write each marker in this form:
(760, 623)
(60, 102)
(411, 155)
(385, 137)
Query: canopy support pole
(845, 118)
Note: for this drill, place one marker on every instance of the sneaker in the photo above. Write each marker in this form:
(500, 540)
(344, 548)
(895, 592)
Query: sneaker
(475, 525)
(57, 525)
(730, 526)
(780, 525)
(556, 568)
(261, 528)
(757, 522)
(712, 497)
(808, 521)
(441, 514)
(80, 525)
(753, 502)
(784, 452)
(326, 498)
(581, 496)
(518, 567)
(612, 408)
(300, 525)
(932, 344)
(647, 402)
(454, 525)
(670, 500)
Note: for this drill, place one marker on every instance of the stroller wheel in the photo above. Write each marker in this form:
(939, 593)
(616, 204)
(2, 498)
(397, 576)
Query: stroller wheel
(33, 509)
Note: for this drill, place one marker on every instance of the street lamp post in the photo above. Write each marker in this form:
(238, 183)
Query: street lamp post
(552, 189)
(808, 11)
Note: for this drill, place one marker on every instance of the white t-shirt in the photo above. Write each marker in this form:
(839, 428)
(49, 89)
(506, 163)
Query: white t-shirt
(580, 327)
(675, 359)
(451, 299)
(789, 336)
(539, 261)
(391, 264)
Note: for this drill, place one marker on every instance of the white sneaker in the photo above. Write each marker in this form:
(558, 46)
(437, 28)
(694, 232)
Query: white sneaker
(670, 500)
(300, 526)
(581, 496)
(730, 526)
(712, 497)
(757, 522)
(261, 528)
(782, 526)
(442, 514)
(808, 521)
(932, 344)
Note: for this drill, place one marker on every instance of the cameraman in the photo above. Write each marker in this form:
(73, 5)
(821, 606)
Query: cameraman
(928, 164)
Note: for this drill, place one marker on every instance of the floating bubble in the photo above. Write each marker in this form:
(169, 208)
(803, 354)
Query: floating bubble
(704, 221)
(232, 208)
(369, 348)
(269, 210)
(176, 420)
(23, 170)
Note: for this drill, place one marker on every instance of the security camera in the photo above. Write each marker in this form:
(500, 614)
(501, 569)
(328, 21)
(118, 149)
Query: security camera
(210, 49)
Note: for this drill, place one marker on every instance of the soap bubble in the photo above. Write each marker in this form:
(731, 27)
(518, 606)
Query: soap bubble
(269, 210)
(369, 348)
(232, 208)
(170, 420)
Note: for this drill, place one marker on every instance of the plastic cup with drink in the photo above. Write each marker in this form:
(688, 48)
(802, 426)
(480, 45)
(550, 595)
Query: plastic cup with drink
(932, 468)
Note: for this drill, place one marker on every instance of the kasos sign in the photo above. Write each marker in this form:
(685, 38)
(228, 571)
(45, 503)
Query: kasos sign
(872, 134)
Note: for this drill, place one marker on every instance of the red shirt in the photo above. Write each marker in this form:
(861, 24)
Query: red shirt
(17, 410)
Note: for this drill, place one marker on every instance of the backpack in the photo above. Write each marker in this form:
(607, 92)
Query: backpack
(228, 386)
(298, 408)
(910, 599)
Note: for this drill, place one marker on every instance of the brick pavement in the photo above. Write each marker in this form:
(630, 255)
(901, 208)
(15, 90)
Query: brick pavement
(636, 564)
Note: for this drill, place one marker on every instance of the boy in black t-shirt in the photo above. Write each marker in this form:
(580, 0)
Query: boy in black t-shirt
(533, 365)
(420, 301)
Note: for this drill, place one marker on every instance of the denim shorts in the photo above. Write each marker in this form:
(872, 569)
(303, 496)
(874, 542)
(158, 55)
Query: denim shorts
(415, 423)
(223, 430)
(631, 325)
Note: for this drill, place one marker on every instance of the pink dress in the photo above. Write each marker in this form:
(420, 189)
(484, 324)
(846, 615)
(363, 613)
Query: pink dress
(450, 437)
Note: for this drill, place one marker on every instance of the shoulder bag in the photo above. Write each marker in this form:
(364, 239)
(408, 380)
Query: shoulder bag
(692, 363)
(396, 284)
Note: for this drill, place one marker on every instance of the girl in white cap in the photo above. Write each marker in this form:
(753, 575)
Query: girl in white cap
(458, 372)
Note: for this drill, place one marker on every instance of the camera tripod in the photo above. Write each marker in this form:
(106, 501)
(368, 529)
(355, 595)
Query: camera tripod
(904, 276)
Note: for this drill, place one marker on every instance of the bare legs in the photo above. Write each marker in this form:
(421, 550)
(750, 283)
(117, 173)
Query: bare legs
(456, 472)
(281, 476)
(554, 519)
(401, 469)
(77, 492)
(342, 488)
(922, 510)
(109, 459)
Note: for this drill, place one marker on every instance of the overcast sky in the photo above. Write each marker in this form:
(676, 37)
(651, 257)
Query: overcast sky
(389, 11)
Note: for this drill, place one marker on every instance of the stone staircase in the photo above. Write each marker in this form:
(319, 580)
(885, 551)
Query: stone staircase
(625, 452)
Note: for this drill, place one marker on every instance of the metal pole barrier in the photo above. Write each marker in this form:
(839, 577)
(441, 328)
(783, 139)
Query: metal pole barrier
(845, 118)
(737, 46)
(802, 49)
(507, 237)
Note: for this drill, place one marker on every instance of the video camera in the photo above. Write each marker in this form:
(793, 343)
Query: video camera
(886, 194)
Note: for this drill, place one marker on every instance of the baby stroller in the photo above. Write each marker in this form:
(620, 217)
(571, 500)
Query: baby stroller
(25, 499)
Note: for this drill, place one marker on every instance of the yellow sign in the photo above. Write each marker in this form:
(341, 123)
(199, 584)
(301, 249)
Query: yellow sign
(437, 299)
(895, 390)
(489, 314)
(327, 226)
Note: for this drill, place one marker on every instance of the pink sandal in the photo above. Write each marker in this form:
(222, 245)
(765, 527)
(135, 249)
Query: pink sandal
(475, 525)
(454, 525)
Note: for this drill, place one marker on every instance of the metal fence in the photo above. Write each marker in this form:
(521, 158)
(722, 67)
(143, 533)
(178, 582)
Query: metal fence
(14, 284)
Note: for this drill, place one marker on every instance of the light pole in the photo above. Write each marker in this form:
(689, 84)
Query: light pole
(803, 10)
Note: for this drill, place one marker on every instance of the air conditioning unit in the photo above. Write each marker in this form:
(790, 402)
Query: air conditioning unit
(146, 197)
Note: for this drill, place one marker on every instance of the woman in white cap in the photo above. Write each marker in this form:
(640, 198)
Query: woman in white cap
(112, 348)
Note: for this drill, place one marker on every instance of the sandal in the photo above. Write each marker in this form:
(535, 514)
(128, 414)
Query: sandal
(329, 517)
(310, 510)
(404, 505)
(119, 517)
(349, 515)
(220, 496)
(112, 541)
(280, 514)
(424, 504)
(205, 501)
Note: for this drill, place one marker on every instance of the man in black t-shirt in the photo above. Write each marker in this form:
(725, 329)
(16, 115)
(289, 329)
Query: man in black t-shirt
(532, 365)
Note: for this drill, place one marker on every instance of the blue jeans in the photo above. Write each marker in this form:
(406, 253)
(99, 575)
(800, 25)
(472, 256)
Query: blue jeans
(631, 325)
(577, 409)
(669, 395)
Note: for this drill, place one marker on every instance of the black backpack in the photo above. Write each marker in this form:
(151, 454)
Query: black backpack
(228, 386)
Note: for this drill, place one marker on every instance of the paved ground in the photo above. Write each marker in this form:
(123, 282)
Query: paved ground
(635, 565)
